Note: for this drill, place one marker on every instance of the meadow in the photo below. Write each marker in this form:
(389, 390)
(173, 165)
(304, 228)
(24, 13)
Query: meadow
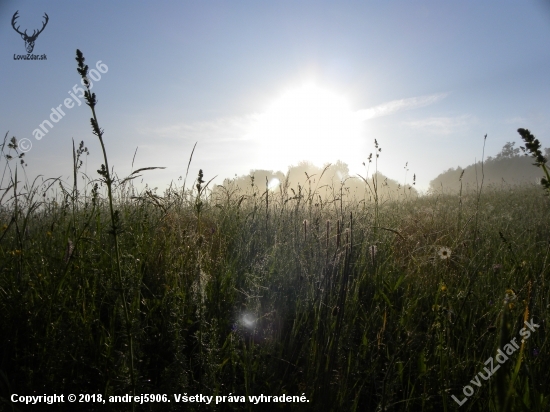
(376, 302)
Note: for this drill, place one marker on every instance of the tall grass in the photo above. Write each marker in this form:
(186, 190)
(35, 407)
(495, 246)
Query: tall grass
(358, 304)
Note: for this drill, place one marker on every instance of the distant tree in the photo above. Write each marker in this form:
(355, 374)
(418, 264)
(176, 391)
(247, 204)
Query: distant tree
(326, 180)
(508, 151)
(508, 166)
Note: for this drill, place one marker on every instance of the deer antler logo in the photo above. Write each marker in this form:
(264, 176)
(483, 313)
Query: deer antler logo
(29, 40)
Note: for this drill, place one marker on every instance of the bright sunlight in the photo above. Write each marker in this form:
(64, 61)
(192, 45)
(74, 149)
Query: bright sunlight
(310, 123)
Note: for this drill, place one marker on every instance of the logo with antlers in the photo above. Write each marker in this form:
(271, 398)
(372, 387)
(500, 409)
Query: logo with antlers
(29, 40)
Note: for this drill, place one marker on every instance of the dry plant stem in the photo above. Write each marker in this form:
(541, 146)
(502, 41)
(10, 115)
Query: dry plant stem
(459, 204)
(266, 208)
(198, 209)
(480, 188)
(91, 102)
(117, 254)
(15, 220)
(187, 172)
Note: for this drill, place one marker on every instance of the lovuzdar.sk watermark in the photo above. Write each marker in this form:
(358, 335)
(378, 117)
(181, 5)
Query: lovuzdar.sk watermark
(29, 39)
(501, 357)
(30, 57)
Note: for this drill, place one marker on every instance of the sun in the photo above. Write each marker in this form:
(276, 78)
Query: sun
(307, 123)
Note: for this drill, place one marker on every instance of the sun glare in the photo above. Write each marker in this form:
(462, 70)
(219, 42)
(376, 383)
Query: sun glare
(307, 123)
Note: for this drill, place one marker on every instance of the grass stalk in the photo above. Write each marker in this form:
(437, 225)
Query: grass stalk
(115, 217)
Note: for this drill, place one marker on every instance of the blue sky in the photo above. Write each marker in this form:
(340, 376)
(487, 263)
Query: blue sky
(265, 84)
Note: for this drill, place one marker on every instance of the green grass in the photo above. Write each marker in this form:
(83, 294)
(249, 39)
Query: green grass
(243, 292)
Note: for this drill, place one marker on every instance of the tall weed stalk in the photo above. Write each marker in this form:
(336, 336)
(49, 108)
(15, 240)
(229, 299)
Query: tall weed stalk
(105, 173)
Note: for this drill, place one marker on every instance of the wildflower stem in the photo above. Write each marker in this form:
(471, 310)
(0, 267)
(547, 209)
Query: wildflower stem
(90, 100)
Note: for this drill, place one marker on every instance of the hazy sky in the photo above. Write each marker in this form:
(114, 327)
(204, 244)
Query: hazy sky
(265, 84)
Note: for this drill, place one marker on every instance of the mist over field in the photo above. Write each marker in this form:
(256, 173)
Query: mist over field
(287, 206)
